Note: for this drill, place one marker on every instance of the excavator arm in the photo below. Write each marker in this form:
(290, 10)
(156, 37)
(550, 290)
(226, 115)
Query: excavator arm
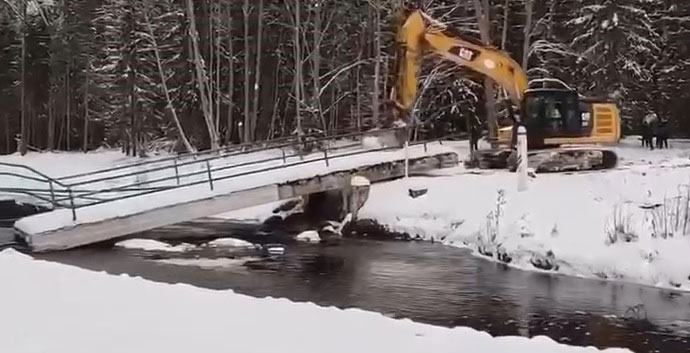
(418, 35)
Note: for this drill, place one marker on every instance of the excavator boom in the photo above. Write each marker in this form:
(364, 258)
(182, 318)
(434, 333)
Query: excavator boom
(419, 35)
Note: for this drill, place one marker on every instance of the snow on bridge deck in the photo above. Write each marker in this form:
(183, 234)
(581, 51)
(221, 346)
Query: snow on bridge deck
(156, 197)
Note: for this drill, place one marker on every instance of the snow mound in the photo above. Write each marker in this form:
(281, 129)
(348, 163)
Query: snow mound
(149, 314)
(309, 236)
(631, 224)
(152, 245)
(210, 264)
(371, 142)
(229, 243)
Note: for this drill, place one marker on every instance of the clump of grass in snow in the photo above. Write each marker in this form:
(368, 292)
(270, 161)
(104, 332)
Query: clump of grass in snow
(672, 216)
(619, 229)
(666, 219)
(493, 219)
(488, 239)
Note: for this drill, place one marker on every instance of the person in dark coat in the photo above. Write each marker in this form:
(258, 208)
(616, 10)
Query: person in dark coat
(646, 134)
(653, 132)
(475, 134)
(662, 135)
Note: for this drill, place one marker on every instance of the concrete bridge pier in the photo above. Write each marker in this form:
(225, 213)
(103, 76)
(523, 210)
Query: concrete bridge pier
(358, 194)
(335, 204)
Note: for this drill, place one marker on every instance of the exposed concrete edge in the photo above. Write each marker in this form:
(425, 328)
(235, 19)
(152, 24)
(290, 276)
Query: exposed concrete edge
(89, 233)
(375, 173)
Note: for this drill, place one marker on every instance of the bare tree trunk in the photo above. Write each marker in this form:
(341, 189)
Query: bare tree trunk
(85, 145)
(61, 130)
(276, 102)
(133, 131)
(529, 7)
(298, 68)
(550, 24)
(51, 120)
(164, 83)
(202, 79)
(377, 65)
(231, 76)
(8, 135)
(24, 128)
(210, 17)
(257, 68)
(357, 89)
(316, 65)
(331, 113)
(504, 35)
(68, 114)
(217, 11)
(247, 74)
(482, 13)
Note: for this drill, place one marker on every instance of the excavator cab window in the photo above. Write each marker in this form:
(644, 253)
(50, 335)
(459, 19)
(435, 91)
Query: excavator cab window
(554, 113)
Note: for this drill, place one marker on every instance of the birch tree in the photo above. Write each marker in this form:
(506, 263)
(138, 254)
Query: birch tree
(162, 72)
(257, 69)
(482, 13)
(201, 77)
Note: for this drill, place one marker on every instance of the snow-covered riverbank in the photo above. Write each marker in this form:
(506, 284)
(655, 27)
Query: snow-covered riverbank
(631, 224)
(58, 308)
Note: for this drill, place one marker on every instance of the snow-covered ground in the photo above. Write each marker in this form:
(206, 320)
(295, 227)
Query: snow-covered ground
(630, 224)
(229, 243)
(254, 176)
(152, 245)
(60, 164)
(60, 309)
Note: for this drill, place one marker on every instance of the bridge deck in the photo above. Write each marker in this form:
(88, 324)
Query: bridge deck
(112, 206)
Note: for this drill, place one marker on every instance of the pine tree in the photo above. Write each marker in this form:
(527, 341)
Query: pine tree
(618, 45)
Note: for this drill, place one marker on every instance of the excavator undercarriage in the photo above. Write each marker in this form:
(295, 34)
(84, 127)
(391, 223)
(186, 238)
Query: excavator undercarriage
(551, 160)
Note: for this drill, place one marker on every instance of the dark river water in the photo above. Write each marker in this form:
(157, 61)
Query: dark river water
(425, 282)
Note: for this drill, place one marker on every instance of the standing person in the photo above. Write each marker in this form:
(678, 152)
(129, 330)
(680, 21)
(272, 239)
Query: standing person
(662, 135)
(475, 134)
(646, 134)
(651, 121)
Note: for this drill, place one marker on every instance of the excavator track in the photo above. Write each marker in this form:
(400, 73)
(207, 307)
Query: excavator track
(554, 160)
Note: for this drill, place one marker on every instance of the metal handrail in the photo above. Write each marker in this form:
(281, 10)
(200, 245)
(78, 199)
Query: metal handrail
(67, 195)
(44, 177)
(190, 174)
(267, 145)
(240, 174)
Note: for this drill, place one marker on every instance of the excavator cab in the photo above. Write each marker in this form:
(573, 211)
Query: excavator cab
(553, 113)
(563, 129)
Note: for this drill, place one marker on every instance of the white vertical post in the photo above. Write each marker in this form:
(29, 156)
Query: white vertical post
(523, 180)
(407, 159)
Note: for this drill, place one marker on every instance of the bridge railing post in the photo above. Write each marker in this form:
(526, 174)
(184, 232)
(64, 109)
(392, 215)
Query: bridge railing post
(177, 173)
(52, 193)
(210, 178)
(71, 204)
(284, 158)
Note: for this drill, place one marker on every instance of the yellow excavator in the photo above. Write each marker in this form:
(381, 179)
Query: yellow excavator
(566, 132)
